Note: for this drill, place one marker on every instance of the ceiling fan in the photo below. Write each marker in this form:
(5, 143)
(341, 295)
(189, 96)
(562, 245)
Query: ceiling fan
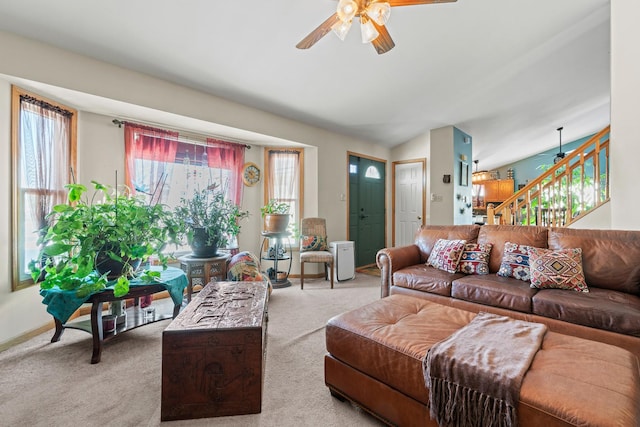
(560, 154)
(373, 15)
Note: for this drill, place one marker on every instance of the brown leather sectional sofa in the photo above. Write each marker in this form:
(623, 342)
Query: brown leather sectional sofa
(375, 353)
(609, 312)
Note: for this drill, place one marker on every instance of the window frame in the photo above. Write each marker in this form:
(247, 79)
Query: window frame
(17, 205)
(268, 185)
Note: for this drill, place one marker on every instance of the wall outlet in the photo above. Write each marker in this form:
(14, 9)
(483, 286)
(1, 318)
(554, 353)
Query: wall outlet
(436, 197)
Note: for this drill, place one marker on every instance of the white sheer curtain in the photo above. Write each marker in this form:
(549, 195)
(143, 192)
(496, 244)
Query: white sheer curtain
(284, 175)
(44, 163)
(284, 180)
(44, 159)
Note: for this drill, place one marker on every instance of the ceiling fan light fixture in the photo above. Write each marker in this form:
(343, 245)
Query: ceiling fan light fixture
(379, 12)
(346, 10)
(369, 32)
(341, 29)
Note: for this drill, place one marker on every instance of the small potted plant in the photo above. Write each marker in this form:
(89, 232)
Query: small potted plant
(276, 216)
(208, 220)
(106, 238)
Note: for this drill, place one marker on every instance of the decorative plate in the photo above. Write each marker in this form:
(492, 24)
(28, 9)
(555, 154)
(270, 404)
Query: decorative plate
(250, 174)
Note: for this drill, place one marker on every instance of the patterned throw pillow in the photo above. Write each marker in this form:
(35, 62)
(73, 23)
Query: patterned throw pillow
(244, 266)
(560, 269)
(446, 254)
(475, 258)
(313, 243)
(515, 262)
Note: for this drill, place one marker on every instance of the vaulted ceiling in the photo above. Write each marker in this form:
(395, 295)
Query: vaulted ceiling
(507, 72)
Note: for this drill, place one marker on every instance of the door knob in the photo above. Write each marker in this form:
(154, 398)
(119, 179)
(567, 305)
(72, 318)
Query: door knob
(419, 217)
(363, 216)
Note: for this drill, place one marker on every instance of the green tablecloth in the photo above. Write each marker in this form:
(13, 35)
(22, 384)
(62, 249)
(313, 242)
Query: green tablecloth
(62, 304)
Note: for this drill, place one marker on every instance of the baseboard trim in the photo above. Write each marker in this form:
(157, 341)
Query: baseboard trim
(82, 311)
(308, 276)
(27, 336)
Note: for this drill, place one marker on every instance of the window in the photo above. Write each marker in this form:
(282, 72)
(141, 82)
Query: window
(372, 172)
(284, 172)
(167, 167)
(43, 159)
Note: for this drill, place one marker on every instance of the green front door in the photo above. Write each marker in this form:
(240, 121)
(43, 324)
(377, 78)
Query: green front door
(366, 208)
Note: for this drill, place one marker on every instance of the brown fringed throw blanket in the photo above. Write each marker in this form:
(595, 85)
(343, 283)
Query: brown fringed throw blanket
(474, 376)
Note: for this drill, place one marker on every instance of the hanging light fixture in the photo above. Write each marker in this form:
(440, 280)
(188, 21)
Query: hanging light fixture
(379, 12)
(369, 32)
(347, 9)
(558, 158)
(373, 15)
(483, 175)
(341, 29)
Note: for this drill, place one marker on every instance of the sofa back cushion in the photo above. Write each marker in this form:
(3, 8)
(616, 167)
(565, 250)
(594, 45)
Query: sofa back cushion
(428, 235)
(498, 235)
(610, 258)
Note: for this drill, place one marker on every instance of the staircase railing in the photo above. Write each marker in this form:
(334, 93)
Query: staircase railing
(565, 192)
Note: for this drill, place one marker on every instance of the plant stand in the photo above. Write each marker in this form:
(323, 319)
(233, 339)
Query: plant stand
(278, 249)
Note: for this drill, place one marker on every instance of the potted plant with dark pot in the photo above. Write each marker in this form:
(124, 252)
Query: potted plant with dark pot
(106, 238)
(276, 216)
(208, 220)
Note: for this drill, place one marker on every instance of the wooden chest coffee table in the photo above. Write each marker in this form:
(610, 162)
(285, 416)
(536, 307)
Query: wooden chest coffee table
(213, 353)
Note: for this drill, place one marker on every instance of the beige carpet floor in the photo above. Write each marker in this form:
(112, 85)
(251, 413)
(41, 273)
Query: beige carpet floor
(45, 384)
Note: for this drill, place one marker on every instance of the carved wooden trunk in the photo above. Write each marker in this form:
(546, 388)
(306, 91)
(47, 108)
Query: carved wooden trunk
(213, 353)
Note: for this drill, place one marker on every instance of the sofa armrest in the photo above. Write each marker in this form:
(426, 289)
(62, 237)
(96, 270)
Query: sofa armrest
(390, 260)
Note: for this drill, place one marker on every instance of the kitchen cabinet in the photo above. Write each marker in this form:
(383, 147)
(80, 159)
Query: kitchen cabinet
(493, 191)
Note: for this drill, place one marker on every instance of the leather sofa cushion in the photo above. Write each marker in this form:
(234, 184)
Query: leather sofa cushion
(572, 381)
(498, 235)
(425, 278)
(610, 258)
(599, 308)
(428, 235)
(496, 291)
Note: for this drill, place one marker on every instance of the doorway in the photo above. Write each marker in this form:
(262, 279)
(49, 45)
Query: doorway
(409, 200)
(367, 218)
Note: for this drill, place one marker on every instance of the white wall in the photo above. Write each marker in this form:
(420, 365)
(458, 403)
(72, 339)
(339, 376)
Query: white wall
(599, 218)
(625, 114)
(23, 307)
(440, 193)
(100, 149)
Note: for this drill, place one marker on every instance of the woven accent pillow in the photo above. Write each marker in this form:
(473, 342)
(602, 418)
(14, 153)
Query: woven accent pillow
(559, 269)
(313, 243)
(515, 262)
(475, 258)
(446, 254)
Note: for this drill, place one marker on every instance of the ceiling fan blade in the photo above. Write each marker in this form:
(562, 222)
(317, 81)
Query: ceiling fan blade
(414, 2)
(383, 43)
(318, 33)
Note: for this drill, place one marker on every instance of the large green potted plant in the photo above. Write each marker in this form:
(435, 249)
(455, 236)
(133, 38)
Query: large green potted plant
(276, 216)
(105, 238)
(209, 219)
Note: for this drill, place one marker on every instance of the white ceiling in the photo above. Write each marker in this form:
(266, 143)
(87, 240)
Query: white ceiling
(507, 72)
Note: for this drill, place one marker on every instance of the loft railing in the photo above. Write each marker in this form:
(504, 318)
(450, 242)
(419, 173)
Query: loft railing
(565, 192)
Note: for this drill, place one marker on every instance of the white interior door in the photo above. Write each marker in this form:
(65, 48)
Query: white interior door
(409, 201)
